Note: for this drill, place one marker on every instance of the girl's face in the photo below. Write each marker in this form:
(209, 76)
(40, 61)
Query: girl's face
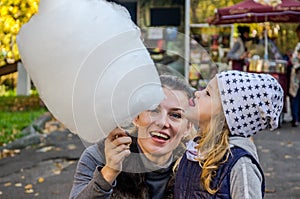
(205, 104)
(161, 130)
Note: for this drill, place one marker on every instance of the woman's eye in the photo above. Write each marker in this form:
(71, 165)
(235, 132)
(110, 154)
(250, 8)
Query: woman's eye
(176, 115)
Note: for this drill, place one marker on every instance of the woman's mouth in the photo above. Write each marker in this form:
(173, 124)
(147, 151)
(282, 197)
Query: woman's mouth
(159, 136)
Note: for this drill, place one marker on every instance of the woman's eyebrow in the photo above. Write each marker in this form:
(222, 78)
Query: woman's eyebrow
(157, 107)
(177, 109)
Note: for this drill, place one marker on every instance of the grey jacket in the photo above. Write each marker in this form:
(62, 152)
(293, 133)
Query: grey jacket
(139, 180)
(245, 178)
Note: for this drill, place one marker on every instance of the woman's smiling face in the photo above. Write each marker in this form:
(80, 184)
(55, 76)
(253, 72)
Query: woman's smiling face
(161, 130)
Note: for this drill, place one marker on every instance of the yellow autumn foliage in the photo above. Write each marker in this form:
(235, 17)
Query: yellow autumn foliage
(13, 14)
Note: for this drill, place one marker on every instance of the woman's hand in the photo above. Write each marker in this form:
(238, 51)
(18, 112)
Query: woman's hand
(116, 150)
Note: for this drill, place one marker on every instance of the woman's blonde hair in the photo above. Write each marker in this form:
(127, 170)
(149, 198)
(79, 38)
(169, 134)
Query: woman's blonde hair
(213, 146)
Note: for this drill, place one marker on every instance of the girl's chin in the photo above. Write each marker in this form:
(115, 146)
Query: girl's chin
(194, 120)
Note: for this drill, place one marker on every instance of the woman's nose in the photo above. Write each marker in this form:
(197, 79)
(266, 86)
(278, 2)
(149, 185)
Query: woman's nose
(163, 121)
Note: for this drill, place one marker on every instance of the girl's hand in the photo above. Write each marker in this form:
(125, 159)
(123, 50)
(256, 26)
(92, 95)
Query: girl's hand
(116, 150)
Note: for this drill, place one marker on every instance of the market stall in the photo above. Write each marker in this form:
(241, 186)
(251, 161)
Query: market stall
(258, 11)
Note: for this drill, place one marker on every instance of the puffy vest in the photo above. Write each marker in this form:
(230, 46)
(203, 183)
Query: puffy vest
(188, 185)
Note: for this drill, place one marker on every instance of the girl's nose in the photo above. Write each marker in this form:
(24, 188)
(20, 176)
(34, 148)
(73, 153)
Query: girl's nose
(197, 94)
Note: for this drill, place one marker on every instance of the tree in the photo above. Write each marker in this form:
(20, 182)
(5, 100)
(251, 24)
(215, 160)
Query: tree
(13, 14)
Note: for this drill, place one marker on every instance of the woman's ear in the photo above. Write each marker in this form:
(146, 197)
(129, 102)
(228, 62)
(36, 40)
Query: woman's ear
(190, 129)
(136, 121)
(190, 132)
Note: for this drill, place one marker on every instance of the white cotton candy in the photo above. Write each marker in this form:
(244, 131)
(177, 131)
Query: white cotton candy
(89, 65)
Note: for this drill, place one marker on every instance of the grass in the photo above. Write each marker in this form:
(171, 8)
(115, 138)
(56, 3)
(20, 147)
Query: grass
(16, 113)
(12, 123)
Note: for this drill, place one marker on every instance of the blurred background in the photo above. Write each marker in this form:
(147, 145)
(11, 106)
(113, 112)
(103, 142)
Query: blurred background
(178, 34)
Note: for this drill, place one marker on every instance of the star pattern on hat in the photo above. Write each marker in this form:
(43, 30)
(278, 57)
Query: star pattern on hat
(251, 102)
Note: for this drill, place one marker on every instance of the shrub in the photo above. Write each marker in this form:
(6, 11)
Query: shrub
(16, 113)
(20, 103)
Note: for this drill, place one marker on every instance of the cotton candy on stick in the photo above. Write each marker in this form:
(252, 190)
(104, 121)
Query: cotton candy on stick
(89, 65)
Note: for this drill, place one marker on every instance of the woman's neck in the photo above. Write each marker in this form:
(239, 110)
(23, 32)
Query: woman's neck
(155, 162)
(161, 161)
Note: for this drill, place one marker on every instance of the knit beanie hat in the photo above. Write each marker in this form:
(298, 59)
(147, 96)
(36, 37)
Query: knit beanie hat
(251, 102)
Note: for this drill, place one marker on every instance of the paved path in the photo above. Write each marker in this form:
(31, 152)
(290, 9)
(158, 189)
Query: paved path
(46, 171)
(279, 153)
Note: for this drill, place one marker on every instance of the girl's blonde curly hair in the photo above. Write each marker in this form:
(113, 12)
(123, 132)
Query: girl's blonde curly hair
(212, 147)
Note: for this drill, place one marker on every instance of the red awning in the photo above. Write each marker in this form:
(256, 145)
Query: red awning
(248, 11)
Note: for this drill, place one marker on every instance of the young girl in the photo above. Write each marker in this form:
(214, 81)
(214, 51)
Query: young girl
(222, 161)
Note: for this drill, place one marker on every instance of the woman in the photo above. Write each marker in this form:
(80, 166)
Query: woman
(139, 164)
(222, 162)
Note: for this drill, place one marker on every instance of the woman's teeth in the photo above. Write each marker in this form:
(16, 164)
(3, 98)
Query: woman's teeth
(160, 135)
